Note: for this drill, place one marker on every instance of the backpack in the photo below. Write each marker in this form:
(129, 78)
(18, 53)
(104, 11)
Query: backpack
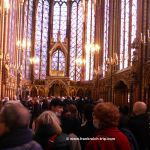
(131, 138)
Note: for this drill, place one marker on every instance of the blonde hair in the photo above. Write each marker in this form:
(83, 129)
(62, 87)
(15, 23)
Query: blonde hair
(48, 117)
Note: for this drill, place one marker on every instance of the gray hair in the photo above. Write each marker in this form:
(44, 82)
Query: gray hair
(139, 108)
(14, 115)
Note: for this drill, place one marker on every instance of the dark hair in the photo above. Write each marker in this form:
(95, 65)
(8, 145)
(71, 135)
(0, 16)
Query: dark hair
(56, 102)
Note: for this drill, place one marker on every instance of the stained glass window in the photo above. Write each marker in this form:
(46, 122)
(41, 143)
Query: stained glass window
(11, 36)
(27, 38)
(134, 21)
(90, 40)
(76, 41)
(127, 6)
(59, 25)
(60, 19)
(58, 61)
(148, 34)
(41, 37)
(106, 31)
(44, 39)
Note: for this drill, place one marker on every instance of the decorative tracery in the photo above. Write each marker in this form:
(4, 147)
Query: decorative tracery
(106, 35)
(12, 39)
(90, 40)
(41, 38)
(27, 33)
(128, 29)
(58, 61)
(60, 19)
(76, 41)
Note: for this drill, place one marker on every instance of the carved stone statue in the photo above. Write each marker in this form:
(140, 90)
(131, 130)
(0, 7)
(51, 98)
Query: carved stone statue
(5, 73)
(135, 66)
(135, 62)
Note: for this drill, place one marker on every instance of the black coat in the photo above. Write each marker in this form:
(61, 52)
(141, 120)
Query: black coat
(139, 125)
(19, 139)
(86, 131)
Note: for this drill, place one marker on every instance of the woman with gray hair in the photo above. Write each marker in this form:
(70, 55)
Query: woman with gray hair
(14, 131)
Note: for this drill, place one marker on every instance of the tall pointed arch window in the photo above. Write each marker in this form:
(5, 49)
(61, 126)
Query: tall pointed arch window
(27, 32)
(12, 34)
(90, 40)
(41, 37)
(76, 41)
(58, 61)
(128, 29)
(60, 19)
(106, 32)
(133, 24)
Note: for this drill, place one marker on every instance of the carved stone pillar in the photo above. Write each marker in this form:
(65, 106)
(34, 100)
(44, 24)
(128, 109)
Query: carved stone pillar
(0, 45)
(20, 48)
(4, 41)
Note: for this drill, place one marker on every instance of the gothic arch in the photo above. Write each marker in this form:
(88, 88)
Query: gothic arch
(59, 82)
(56, 46)
(72, 91)
(120, 93)
(34, 91)
(117, 81)
(63, 49)
(88, 93)
(80, 92)
(41, 91)
(58, 88)
(120, 83)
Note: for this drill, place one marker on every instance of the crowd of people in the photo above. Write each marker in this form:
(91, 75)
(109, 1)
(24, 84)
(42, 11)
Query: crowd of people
(72, 123)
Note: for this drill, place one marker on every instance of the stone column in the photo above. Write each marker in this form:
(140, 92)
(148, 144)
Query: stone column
(4, 41)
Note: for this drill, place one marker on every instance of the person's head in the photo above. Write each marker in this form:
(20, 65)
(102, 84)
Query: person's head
(139, 108)
(73, 110)
(57, 106)
(105, 115)
(5, 100)
(13, 116)
(49, 118)
(35, 100)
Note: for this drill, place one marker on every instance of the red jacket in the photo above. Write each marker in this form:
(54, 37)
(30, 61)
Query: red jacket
(109, 139)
